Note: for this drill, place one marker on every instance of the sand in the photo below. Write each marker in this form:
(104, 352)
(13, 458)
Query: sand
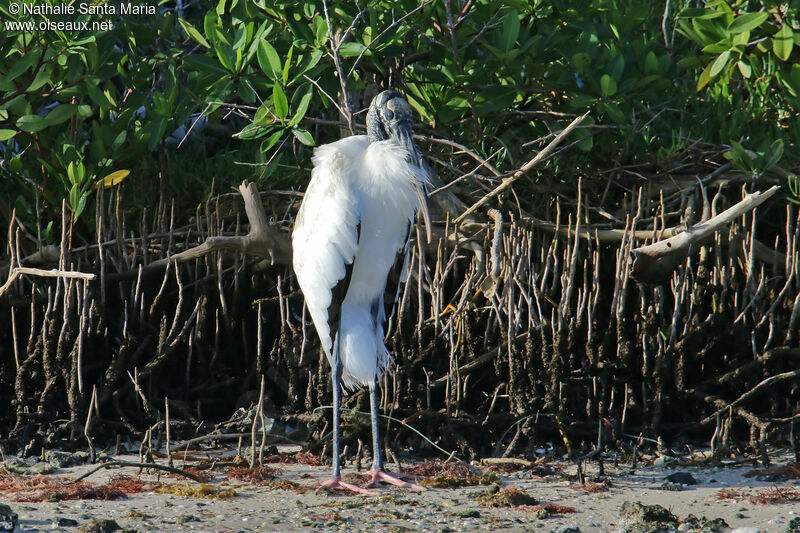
(255, 508)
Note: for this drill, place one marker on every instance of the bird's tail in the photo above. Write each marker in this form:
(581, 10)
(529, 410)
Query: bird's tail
(363, 355)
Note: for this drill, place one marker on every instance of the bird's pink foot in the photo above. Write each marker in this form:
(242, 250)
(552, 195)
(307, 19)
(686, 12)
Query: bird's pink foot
(336, 484)
(379, 475)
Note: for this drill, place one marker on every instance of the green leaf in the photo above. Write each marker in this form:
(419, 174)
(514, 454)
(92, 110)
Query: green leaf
(85, 111)
(210, 27)
(302, 107)
(7, 134)
(22, 64)
(705, 77)
(303, 136)
(581, 61)
(747, 22)
(783, 42)
(205, 64)
(77, 200)
(775, 154)
(192, 32)
(510, 30)
(279, 101)
(262, 116)
(613, 111)
(352, 49)
(608, 87)
(651, 63)
(61, 113)
(15, 164)
(253, 131)
(719, 63)
(744, 69)
(268, 59)
(690, 62)
(31, 123)
(286, 65)
(75, 173)
(224, 54)
(267, 144)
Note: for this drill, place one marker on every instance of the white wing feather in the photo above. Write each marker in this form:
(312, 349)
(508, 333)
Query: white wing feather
(325, 236)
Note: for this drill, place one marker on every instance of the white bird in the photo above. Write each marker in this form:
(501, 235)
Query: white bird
(350, 238)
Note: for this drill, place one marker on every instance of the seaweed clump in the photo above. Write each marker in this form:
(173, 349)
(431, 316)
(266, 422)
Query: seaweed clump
(202, 490)
(507, 498)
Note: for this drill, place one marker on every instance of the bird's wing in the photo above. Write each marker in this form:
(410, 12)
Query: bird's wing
(398, 275)
(326, 232)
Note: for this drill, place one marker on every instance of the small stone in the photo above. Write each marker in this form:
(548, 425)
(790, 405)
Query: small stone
(793, 526)
(65, 522)
(685, 527)
(100, 526)
(746, 530)
(8, 518)
(567, 529)
(674, 487)
(682, 478)
(645, 513)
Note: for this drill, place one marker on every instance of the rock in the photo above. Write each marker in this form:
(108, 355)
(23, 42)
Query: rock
(100, 526)
(663, 460)
(645, 513)
(65, 459)
(8, 518)
(65, 522)
(747, 530)
(771, 478)
(28, 467)
(793, 526)
(683, 478)
(704, 525)
(668, 485)
(541, 514)
(567, 529)
(635, 517)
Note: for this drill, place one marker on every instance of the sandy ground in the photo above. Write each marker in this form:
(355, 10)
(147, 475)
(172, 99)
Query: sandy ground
(263, 509)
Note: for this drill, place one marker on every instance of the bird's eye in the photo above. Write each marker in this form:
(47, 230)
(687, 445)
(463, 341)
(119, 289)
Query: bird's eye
(389, 114)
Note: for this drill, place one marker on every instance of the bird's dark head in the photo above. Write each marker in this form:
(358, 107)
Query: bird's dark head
(390, 117)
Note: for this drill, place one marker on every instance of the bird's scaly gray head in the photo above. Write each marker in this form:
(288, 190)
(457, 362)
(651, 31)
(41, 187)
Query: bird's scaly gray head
(390, 118)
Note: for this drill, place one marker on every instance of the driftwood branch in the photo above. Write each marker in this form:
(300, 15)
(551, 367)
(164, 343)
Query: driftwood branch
(761, 251)
(131, 464)
(655, 262)
(54, 273)
(263, 240)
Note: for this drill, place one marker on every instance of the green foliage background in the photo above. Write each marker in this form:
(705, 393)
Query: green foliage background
(77, 105)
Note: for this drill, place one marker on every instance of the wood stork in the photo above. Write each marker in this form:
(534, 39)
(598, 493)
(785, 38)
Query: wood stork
(350, 241)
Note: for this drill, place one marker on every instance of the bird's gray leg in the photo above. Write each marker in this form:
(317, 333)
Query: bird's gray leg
(336, 377)
(377, 472)
(377, 454)
(336, 483)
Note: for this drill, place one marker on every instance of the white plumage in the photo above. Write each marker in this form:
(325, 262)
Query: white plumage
(354, 182)
(351, 232)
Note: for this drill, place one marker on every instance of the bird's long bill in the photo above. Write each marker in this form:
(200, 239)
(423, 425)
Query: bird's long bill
(423, 208)
(405, 137)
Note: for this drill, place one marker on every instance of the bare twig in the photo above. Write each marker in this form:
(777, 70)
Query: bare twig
(525, 168)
